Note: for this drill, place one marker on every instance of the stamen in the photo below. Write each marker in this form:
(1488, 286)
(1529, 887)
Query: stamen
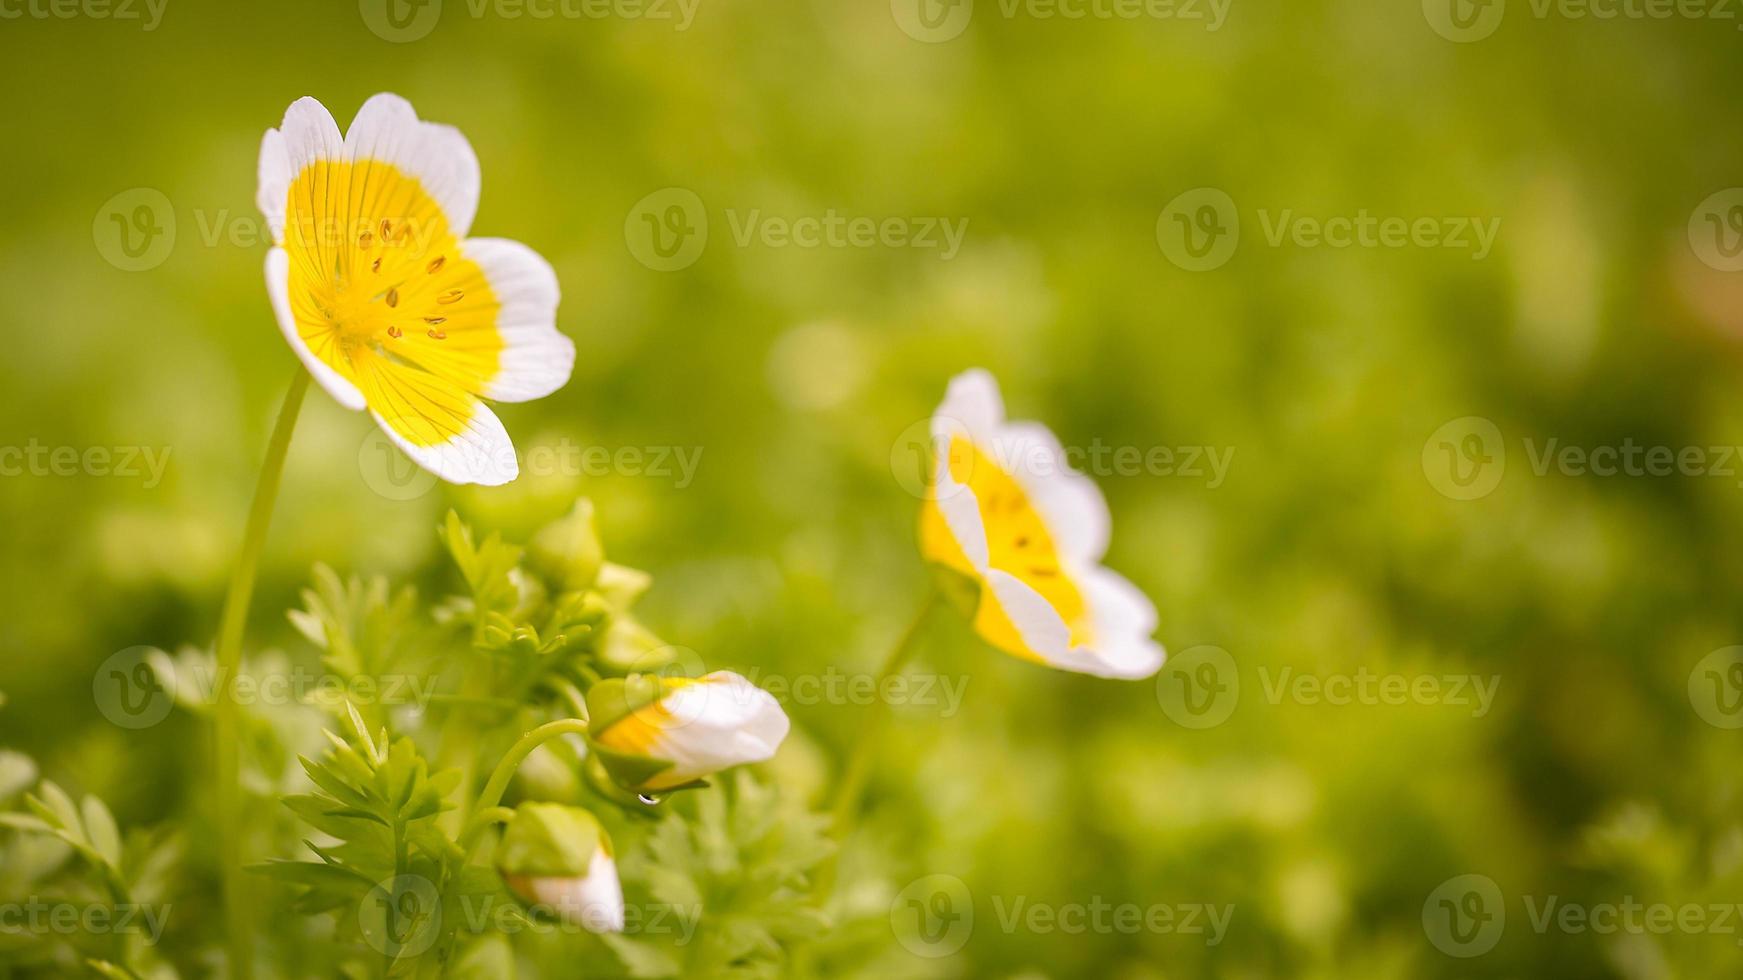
(376, 265)
(435, 263)
(395, 332)
(386, 230)
(438, 335)
(435, 320)
(393, 297)
(365, 240)
(451, 296)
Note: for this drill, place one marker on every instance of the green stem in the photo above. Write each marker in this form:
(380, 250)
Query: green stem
(239, 923)
(485, 811)
(858, 769)
(846, 809)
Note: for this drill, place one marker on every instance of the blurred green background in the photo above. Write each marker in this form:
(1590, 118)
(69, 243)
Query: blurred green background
(795, 372)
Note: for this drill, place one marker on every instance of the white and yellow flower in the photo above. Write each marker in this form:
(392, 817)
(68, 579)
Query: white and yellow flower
(656, 733)
(1007, 513)
(558, 859)
(386, 300)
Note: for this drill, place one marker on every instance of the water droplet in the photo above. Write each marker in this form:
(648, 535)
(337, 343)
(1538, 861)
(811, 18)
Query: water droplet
(649, 800)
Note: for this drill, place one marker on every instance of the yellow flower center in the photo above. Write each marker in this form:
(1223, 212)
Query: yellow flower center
(381, 293)
(1018, 542)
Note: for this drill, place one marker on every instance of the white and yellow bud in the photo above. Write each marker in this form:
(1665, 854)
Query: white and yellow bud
(558, 860)
(657, 733)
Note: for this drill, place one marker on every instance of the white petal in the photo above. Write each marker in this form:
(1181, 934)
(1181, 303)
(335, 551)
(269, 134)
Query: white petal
(1042, 629)
(388, 129)
(1123, 619)
(971, 405)
(536, 358)
(593, 901)
(961, 511)
(722, 720)
(1070, 504)
(1115, 604)
(1125, 658)
(307, 134)
(481, 453)
(278, 289)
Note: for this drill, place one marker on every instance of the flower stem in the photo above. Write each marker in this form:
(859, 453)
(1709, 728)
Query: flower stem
(239, 924)
(846, 808)
(485, 810)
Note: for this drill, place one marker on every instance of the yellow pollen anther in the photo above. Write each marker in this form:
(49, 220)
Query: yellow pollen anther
(435, 320)
(376, 265)
(365, 240)
(435, 263)
(393, 297)
(451, 296)
(395, 332)
(438, 335)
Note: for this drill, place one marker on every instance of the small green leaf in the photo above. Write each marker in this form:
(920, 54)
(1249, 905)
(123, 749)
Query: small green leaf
(100, 828)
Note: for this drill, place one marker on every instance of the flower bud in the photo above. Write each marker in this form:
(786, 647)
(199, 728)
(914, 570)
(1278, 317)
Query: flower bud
(661, 733)
(567, 552)
(558, 859)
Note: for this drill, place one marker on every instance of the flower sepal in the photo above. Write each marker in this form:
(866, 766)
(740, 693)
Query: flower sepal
(961, 591)
(550, 839)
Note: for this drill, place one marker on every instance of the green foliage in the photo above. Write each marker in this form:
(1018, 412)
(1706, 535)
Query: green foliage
(379, 801)
(745, 862)
(68, 862)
